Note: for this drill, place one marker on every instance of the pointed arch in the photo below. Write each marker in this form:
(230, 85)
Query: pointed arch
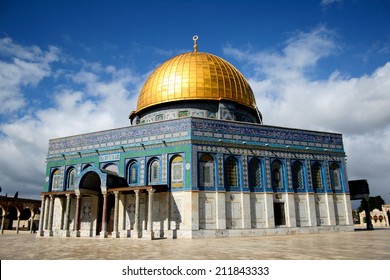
(132, 174)
(112, 167)
(177, 171)
(231, 174)
(70, 179)
(55, 180)
(154, 171)
(90, 181)
(206, 171)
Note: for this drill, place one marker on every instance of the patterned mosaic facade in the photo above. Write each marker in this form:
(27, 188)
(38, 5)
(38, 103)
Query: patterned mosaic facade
(178, 147)
(181, 129)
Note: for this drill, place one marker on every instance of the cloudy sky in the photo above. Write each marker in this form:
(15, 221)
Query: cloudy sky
(73, 67)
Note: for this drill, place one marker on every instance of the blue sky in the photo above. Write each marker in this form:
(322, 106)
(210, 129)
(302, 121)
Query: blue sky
(69, 67)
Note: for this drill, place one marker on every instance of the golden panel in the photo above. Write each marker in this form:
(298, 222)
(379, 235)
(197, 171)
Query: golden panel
(195, 76)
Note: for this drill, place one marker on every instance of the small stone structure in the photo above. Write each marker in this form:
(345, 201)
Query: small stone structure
(378, 217)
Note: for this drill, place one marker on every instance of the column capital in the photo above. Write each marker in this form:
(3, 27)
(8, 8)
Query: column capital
(151, 190)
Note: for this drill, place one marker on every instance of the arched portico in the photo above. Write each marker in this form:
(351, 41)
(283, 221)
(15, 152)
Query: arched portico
(91, 202)
(92, 208)
(17, 209)
(79, 208)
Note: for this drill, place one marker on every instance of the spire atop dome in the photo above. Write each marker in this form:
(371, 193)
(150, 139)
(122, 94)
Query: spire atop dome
(195, 38)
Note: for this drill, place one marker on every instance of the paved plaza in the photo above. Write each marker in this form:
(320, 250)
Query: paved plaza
(360, 244)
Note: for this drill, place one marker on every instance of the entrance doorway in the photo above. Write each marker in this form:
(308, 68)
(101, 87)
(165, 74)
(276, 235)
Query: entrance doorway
(279, 213)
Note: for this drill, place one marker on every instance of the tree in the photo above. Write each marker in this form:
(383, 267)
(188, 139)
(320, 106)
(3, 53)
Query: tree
(374, 202)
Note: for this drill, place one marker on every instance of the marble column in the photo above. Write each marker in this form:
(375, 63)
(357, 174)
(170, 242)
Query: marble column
(103, 233)
(115, 234)
(50, 216)
(77, 215)
(18, 223)
(46, 218)
(150, 233)
(41, 216)
(136, 216)
(67, 215)
(32, 221)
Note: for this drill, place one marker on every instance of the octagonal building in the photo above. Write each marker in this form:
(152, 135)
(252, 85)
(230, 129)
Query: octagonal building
(196, 161)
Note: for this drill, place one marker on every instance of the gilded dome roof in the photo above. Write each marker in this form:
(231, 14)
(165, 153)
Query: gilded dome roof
(195, 76)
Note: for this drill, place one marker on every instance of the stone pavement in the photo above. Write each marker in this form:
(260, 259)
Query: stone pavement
(360, 244)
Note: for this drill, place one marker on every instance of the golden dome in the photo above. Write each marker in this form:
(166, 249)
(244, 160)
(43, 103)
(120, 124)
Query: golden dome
(195, 76)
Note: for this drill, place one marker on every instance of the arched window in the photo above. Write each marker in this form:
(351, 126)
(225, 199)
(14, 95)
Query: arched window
(255, 174)
(231, 171)
(71, 179)
(297, 176)
(206, 171)
(132, 173)
(335, 177)
(316, 176)
(277, 176)
(55, 180)
(86, 166)
(154, 171)
(112, 167)
(177, 173)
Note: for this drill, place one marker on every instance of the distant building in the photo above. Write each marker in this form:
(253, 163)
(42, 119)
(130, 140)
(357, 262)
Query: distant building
(197, 161)
(19, 214)
(378, 217)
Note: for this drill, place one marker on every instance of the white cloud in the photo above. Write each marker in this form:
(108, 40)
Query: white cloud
(93, 98)
(21, 67)
(357, 107)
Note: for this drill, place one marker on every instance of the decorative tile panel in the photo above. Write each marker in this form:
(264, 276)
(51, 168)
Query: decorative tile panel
(164, 168)
(138, 133)
(289, 175)
(232, 130)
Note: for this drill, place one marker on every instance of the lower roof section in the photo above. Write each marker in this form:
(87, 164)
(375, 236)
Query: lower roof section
(193, 128)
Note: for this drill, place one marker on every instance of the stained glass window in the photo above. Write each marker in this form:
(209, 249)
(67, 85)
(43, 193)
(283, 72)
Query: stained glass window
(335, 177)
(177, 172)
(206, 171)
(297, 176)
(254, 173)
(231, 173)
(132, 173)
(154, 172)
(71, 179)
(316, 176)
(55, 182)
